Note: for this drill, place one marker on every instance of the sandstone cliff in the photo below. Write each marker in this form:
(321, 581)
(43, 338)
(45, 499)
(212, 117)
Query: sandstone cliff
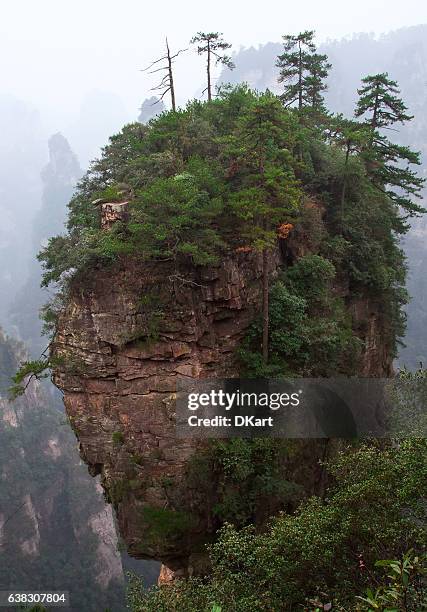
(119, 390)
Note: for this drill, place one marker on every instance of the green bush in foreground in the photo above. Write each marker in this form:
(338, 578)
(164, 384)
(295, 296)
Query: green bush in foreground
(376, 510)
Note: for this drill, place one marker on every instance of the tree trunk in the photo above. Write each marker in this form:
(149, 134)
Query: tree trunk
(300, 78)
(209, 73)
(344, 186)
(374, 121)
(172, 87)
(265, 317)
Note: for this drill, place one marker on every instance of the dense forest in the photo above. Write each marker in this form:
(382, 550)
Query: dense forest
(240, 173)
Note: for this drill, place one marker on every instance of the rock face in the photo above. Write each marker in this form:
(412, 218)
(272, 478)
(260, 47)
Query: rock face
(370, 323)
(125, 337)
(111, 212)
(125, 353)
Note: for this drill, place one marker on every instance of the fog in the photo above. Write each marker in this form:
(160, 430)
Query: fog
(55, 53)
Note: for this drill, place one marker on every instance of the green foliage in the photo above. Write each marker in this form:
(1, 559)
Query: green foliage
(363, 231)
(375, 510)
(310, 331)
(379, 97)
(179, 596)
(387, 163)
(311, 277)
(165, 525)
(49, 315)
(212, 42)
(213, 45)
(112, 193)
(196, 184)
(172, 217)
(118, 437)
(250, 479)
(36, 369)
(406, 587)
(303, 71)
(266, 189)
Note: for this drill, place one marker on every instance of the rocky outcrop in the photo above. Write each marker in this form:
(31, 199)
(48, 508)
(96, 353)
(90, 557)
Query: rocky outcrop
(371, 325)
(126, 335)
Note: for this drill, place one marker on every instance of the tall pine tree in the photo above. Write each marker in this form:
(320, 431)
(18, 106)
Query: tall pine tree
(214, 46)
(352, 138)
(378, 99)
(303, 71)
(387, 163)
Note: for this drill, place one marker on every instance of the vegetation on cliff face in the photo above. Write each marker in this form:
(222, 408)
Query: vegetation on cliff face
(311, 331)
(325, 554)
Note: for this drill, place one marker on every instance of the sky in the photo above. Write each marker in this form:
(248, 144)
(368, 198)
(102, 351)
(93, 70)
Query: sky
(56, 52)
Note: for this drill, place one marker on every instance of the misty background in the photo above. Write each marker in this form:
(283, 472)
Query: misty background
(71, 77)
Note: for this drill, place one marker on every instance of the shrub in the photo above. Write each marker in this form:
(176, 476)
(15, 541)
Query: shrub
(375, 510)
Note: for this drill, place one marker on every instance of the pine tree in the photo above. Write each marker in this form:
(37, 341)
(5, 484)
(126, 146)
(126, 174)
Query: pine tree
(379, 98)
(269, 190)
(212, 44)
(387, 163)
(352, 137)
(303, 71)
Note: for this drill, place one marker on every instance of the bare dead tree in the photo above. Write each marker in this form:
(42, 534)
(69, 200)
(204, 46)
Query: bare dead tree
(166, 85)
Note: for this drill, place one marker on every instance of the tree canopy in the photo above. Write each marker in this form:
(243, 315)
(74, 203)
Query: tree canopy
(223, 175)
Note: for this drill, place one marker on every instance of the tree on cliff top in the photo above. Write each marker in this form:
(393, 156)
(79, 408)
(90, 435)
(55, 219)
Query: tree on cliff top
(213, 45)
(303, 71)
(378, 97)
(269, 191)
(167, 84)
(388, 164)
